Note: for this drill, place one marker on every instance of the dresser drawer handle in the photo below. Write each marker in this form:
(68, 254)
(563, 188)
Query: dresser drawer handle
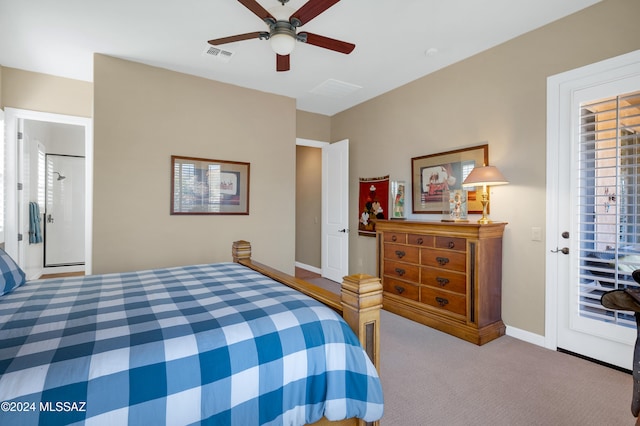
(394, 238)
(420, 241)
(442, 281)
(442, 301)
(400, 254)
(399, 289)
(442, 260)
(451, 244)
(400, 271)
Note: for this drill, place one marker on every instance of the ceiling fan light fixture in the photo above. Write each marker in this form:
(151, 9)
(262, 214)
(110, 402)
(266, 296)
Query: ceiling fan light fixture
(282, 44)
(283, 29)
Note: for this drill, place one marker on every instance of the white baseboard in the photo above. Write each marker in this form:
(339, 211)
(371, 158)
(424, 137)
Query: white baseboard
(526, 336)
(309, 268)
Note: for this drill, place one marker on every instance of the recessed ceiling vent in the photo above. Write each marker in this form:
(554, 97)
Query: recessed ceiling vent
(218, 53)
(335, 88)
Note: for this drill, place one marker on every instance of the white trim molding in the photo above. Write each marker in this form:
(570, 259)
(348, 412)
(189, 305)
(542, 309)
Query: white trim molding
(310, 142)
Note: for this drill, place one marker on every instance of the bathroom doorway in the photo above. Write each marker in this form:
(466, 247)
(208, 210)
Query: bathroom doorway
(31, 138)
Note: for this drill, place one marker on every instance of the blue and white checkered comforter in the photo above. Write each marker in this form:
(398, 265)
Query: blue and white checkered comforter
(217, 344)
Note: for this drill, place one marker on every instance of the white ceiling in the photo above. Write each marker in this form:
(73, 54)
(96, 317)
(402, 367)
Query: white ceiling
(391, 37)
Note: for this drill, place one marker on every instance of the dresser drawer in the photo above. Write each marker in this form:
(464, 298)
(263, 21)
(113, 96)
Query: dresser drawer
(401, 288)
(395, 237)
(403, 253)
(444, 259)
(443, 279)
(451, 243)
(421, 240)
(404, 271)
(451, 302)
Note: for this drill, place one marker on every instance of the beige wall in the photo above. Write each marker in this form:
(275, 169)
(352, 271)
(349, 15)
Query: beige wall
(142, 116)
(308, 205)
(45, 93)
(312, 126)
(498, 97)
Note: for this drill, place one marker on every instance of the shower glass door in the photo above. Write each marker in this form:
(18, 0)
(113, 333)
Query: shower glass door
(64, 215)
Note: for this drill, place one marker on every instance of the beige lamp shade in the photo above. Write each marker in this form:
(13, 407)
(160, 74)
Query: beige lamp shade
(485, 175)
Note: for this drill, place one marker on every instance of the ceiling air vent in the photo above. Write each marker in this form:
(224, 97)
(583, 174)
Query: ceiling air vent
(218, 53)
(335, 88)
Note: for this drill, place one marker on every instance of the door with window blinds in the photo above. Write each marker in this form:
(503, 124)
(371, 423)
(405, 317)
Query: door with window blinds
(605, 225)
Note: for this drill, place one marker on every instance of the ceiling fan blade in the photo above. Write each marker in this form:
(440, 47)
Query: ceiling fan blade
(258, 10)
(282, 62)
(239, 37)
(310, 10)
(329, 43)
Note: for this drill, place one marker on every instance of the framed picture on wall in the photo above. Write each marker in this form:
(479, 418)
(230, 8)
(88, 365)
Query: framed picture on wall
(202, 186)
(436, 174)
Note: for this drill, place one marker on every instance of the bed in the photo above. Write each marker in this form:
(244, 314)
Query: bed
(233, 343)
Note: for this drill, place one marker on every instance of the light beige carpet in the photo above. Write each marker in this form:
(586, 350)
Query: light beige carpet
(432, 378)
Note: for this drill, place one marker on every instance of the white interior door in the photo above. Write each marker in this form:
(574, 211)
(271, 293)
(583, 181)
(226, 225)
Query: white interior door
(592, 212)
(335, 210)
(64, 215)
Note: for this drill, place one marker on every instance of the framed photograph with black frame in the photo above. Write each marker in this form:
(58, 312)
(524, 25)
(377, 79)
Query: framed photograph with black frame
(435, 174)
(203, 186)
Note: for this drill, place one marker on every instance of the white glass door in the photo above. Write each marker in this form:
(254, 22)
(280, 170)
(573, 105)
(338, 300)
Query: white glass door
(65, 211)
(598, 245)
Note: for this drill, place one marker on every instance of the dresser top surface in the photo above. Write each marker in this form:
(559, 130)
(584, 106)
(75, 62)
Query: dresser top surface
(494, 228)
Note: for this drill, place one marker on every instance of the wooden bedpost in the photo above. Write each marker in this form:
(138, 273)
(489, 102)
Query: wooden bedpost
(361, 302)
(241, 250)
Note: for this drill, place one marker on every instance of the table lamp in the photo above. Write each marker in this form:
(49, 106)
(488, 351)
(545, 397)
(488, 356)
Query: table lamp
(484, 176)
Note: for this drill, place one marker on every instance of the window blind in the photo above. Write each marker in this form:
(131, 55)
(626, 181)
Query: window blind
(608, 200)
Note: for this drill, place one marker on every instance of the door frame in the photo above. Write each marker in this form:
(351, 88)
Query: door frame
(560, 89)
(12, 116)
(320, 144)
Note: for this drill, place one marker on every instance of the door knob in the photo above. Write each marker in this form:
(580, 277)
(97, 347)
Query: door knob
(344, 230)
(49, 219)
(563, 250)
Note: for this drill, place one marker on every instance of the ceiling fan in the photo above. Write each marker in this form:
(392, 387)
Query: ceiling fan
(282, 32)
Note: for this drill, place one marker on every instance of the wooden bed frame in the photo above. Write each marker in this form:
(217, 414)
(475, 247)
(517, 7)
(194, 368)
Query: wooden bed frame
(359, 303)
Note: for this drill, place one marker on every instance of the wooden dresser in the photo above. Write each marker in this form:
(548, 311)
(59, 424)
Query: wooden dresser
(445, 275)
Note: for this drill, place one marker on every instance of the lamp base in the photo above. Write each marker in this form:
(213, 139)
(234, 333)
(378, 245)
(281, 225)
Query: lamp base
(485, 202)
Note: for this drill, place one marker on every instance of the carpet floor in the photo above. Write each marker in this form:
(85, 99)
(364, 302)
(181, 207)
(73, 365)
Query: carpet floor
(432, 378)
